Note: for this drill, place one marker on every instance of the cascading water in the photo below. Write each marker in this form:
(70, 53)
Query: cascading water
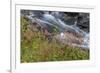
(48, 20)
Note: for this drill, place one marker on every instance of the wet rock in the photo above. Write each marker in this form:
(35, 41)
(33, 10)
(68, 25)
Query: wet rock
(84, 22)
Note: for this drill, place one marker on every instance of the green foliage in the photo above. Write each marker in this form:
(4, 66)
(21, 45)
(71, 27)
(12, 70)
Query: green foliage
(24, 23)
(38, 49)
(55, 29)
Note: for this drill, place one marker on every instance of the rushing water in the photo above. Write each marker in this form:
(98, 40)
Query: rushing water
(48, 20)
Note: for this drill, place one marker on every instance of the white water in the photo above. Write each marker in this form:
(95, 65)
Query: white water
(52, 20)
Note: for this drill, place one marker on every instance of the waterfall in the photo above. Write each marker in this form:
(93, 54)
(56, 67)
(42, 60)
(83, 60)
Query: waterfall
(48, 20)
